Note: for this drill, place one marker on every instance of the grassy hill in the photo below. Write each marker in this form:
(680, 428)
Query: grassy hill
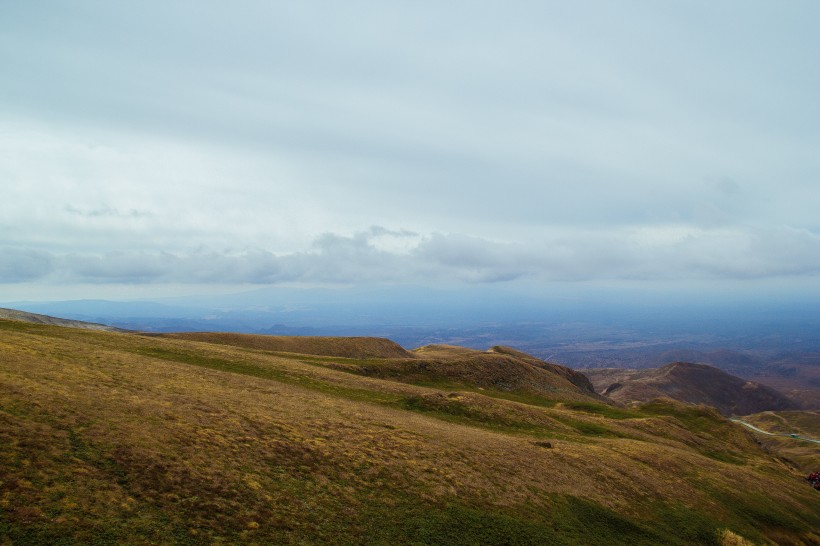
(112, 438)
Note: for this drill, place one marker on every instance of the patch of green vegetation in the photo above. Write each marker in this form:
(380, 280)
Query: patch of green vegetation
(585, 522)
(589, 428)
(326, 361)
(458, 524)
(750, 512)
(105, 532)
(604, 410)
(455, 411)
(37, 534)
(687, 525)
(567, 520)
(523, 398)
(724, 456)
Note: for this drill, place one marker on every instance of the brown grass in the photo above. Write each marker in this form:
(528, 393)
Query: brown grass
(122, 438)
(347, 347)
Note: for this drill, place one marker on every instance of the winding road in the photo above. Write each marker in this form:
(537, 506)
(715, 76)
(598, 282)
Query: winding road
(795, 436)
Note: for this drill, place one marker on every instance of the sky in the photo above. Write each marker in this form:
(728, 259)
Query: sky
(154, 148)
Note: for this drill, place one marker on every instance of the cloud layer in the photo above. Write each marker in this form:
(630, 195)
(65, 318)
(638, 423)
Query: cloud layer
(679, 254)
(257, 142)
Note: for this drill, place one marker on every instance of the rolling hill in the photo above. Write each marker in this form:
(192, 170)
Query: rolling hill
(119, 438)
(692, 383)
(500, 369)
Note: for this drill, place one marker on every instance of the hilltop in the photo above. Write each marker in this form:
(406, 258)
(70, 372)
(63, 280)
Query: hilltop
(346, 347)
(692, 383)
(497, 371)
(118, 438)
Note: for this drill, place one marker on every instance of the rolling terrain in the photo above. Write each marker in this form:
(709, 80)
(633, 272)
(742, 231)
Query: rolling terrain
(691, 383)
(501, 369)
(775, 345)
(120, 438)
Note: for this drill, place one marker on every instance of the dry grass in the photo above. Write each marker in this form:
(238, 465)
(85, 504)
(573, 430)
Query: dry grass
(805, 423)
(728, 538)
(117, 438)
(349, 347)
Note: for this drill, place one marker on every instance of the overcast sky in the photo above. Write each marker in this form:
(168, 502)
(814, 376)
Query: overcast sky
(147, 145)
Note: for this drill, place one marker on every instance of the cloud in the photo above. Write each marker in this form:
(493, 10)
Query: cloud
(106, 212)
(676, 253)
(540, 141)
(22, 264)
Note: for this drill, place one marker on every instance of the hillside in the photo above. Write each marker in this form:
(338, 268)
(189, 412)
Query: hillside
(118, 438)
(497, 372)
(692, 383)
(796, 374)
(14, 314)
(802, 454)
(504, 371)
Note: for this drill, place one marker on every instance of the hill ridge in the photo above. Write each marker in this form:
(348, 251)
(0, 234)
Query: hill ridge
(25, 316)
(339, 346)
(694, 383)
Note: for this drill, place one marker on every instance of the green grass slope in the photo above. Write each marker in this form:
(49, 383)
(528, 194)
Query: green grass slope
(113, 438)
